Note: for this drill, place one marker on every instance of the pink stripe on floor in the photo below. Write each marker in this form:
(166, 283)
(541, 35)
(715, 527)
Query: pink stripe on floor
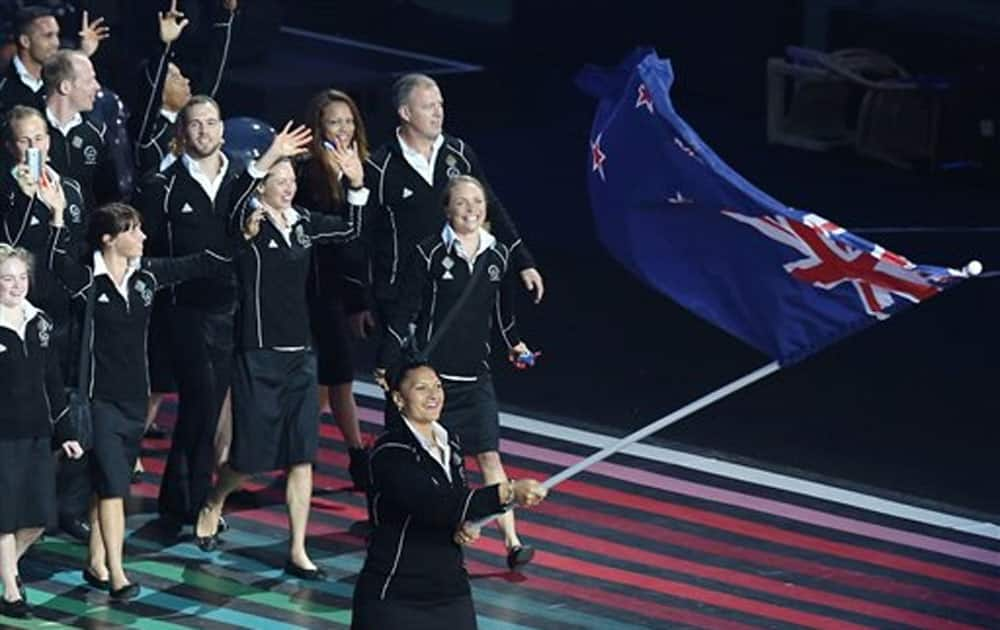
(746, 501)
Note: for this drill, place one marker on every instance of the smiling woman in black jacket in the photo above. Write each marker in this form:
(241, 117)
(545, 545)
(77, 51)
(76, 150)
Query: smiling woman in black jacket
(33, 405)
(123, 284)
(423, 512)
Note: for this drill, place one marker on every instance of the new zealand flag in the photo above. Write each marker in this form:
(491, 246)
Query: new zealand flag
(668, 208)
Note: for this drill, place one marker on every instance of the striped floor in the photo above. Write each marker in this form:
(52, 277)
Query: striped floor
(633, 544)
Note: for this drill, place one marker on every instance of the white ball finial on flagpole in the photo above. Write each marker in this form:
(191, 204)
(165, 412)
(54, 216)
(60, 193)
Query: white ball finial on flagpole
(974, 268)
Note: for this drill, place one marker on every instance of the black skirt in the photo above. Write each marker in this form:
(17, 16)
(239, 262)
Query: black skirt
(118, 429)
(386, 614)
(27, 483)
(470, 412)
(275, 410)
(332, 343)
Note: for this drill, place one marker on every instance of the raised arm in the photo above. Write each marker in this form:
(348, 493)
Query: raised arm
(91, 34)
(220, 40)
(171, 25)
(168, 271)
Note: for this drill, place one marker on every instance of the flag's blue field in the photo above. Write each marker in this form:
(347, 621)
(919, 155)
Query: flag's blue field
(786, 281)
(634, 543)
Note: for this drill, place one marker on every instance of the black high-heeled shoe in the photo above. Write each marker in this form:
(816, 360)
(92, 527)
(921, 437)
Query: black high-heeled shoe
(303, 573)
(125, 593)
(519, 555)
(96, 582)
(210, 542)
(18, 608)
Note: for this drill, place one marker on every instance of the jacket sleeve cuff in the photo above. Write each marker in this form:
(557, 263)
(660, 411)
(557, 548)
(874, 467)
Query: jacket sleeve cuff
(357, 197)
(255, 172)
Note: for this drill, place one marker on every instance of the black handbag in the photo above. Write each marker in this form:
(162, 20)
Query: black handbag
(81, 423)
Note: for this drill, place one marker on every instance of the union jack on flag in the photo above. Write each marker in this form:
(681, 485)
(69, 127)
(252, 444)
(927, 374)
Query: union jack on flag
(785, 281)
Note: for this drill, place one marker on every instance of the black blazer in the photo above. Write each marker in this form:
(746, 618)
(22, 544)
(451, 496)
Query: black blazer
(415, 512)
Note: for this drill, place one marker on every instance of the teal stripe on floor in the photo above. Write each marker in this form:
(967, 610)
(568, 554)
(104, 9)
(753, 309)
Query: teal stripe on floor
(341, 566)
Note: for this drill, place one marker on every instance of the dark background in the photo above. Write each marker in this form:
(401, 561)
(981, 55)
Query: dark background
(909, 406)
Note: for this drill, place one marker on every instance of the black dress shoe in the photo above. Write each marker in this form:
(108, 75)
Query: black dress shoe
(18, 608)
(358, 468)
(96, 582)
(76, 527)
(304, 574)
(207, 543)
(125, 593)
(519, 556)
(211, 542)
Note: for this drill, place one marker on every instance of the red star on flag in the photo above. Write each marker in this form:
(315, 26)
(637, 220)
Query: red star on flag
(597, 156)
(644, 99)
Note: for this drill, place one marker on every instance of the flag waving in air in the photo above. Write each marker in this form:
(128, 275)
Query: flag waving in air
(785, 281)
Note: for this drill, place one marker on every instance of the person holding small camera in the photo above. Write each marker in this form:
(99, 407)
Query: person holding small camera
(28, 185)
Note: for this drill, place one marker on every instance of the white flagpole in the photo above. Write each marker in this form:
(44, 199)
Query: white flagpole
(650, 429)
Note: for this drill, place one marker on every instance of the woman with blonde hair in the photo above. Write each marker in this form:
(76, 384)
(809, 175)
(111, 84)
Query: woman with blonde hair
(32, 419)
(456, 293)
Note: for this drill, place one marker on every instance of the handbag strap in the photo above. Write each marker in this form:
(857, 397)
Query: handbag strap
(86, 337)
(449, 319)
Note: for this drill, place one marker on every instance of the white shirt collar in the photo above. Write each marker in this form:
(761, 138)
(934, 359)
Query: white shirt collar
(33, 84)
(30, 311)
(486, 241)
(440, 450)
(291, 217)
(416, 159)
(169, 115)
(64, 128)
(211, 187)
(101, 269)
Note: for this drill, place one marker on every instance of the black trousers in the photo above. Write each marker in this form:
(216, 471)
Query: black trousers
(202, 348)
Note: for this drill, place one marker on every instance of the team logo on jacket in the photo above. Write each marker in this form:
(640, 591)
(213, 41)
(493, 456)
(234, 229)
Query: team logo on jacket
(494, 272)
(77, 142)
(75, 213)
(43, 332)
(90, 155)
(145, 292)
(302, 237)
(452, 170)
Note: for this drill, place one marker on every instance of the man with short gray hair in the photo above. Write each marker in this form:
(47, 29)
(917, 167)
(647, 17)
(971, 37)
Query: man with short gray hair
(408, 175)
(79, 147)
